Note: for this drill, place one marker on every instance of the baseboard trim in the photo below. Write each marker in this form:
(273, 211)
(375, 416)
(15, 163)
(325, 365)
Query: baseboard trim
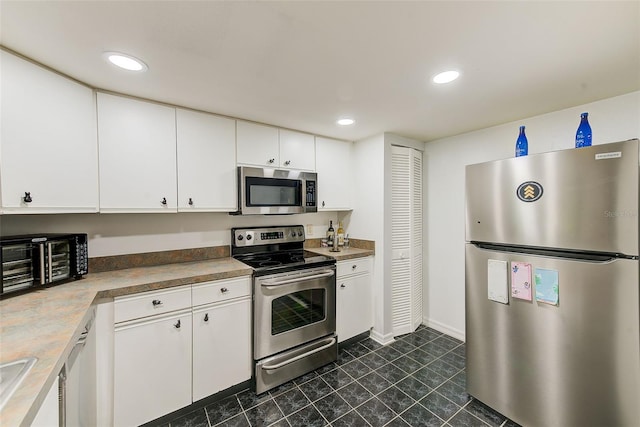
(445, 329)
(381, 339)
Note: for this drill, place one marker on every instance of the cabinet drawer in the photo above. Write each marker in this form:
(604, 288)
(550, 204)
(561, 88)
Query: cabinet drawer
(151, 303)
(221, 290)
(354, 266)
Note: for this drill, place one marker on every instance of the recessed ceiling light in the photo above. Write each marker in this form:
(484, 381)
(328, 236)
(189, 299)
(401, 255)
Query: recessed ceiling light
(346, 121)
(446, 77)
(125, 61)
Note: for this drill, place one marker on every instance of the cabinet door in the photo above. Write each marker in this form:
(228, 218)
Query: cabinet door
(207, 178)
(49, 413)
(334, 168)
(353, 301)
(152, 368)
(297, 150)
(48, 144)
(137, 146)
(221, 347)
(257, 144)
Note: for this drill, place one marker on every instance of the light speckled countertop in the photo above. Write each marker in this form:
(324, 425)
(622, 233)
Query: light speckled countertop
(47, 323)
(344, 254)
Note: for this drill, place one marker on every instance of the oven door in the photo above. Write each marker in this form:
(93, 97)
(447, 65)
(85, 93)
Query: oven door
(293, 308)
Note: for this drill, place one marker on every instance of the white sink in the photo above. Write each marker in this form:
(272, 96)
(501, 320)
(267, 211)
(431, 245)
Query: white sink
(11, 375)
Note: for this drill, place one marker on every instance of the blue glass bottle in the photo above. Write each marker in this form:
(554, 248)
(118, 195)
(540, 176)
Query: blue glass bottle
(522, 145)
(583, 135)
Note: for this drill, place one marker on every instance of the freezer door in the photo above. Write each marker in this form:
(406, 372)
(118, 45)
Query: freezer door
(574, 364)
(583, 199)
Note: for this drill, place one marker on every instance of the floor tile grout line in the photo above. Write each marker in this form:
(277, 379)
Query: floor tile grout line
(395, 355)
(472, 414)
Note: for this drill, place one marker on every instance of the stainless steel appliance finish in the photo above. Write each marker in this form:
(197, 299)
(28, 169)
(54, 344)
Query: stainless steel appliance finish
(283, 367)
(293, 308)
(294, 303)
(36, 260)
(576, 363)
(589, 199)
(264, 191)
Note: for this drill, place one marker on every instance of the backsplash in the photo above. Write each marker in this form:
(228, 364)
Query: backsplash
(120, 262)
(147, 259)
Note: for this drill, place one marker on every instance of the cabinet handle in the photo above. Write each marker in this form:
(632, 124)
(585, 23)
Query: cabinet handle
(323, 203)
(287, 163)
(206, 317)
(164, 201)
(343, 286)
(271, 161)
(27, 197)
(190, 201)
(224, 290)
(177, 325)
(156, 302)
(353, 267)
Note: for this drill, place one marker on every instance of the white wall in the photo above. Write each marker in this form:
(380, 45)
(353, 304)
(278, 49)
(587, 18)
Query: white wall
(367, 219)
(613, 119)
(116, 234)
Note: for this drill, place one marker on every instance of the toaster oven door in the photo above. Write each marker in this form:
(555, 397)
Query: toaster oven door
(21, 265)
(58, 264)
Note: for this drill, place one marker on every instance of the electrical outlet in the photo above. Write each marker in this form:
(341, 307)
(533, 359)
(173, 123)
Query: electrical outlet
(309, 229)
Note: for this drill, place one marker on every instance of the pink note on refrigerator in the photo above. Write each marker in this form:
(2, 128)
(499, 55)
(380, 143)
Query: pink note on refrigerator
(521, 280)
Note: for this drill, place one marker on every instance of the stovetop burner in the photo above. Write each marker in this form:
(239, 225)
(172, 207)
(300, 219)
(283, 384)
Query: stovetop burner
(282, 259)
(274, 249)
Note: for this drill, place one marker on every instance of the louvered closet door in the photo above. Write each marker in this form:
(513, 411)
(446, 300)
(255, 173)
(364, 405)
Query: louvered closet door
(406, 239)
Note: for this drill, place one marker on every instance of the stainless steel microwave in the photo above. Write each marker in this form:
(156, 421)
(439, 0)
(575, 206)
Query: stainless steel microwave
(31, 261)
(265, 191)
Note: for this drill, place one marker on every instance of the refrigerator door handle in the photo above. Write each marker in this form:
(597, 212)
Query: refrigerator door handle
(601, 257)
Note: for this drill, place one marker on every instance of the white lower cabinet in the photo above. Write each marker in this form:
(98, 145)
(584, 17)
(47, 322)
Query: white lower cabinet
(221, 346)
(49, 413)
(176, 346)
(152, 362)
(353, 298)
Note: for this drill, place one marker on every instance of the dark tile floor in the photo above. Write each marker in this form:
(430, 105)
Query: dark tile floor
(419, 380)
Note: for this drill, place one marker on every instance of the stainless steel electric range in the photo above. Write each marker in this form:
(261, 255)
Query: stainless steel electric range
(294, 303)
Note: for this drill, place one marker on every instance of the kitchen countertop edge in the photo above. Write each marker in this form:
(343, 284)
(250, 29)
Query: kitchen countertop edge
(344, 254)
(54, 317)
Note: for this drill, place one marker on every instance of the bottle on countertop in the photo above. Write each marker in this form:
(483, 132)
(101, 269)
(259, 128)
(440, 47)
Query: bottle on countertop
(583, 135)
(331, 233)
(522, 145)
(340, 234)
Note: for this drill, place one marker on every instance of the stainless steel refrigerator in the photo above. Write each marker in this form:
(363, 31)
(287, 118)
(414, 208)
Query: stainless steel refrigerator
(552, 286)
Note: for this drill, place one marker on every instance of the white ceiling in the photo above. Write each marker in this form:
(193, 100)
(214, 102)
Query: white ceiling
(303, 64)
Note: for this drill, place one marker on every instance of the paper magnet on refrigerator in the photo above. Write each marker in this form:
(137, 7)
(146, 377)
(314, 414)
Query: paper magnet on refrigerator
(521, 280)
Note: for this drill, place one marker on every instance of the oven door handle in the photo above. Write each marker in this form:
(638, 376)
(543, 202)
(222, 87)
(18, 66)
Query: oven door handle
(331, 341)
(273, 284)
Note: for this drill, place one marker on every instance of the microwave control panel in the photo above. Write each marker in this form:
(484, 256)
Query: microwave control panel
(311, 193)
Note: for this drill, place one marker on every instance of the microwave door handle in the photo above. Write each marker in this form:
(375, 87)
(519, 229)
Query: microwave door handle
(272, 284)
(42, 264)
(50, 259)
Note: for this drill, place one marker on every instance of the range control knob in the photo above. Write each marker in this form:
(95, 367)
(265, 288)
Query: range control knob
(240, 237)
(248, 236)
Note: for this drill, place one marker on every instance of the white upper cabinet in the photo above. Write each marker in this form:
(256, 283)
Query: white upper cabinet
(257, 145)
(207, 179)
(297, 150)
(47, 141)
(335, 180)
(267, 146)
(137, 146)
